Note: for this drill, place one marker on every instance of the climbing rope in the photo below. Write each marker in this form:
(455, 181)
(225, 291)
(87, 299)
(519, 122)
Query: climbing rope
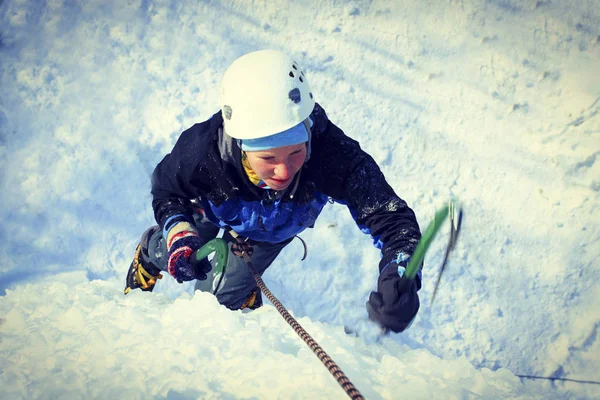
(337, 373)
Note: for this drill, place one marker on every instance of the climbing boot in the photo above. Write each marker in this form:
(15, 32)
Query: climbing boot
(254, 301)
(142, 273)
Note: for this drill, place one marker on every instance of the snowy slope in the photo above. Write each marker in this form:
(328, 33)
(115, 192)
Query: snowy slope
(104, 346)
(494, 102)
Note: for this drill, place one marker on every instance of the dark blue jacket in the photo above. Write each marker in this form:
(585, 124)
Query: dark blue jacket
(205, 166)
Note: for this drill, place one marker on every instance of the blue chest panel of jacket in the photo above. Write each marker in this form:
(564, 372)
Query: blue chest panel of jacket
(273, 221)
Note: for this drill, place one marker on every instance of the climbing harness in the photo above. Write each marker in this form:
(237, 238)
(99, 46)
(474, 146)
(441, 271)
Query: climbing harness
(305, 248)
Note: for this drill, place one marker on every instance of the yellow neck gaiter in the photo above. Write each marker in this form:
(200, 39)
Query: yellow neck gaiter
(249, 171)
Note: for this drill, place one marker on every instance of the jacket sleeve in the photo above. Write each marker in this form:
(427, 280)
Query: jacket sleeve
(356, 180)
(180, 176)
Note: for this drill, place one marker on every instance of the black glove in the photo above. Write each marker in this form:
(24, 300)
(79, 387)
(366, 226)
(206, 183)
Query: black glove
(395, 303)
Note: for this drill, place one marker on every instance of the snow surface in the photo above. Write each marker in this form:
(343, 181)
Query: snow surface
(494, 102)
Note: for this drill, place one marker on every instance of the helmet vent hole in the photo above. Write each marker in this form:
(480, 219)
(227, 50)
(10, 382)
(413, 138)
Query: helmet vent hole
(310, 94)
(227, 111)
(291, 74)
(295, 96)
(294, 66)
(301, 80)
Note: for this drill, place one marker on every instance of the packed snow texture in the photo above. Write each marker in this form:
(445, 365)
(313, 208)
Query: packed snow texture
(494, 102)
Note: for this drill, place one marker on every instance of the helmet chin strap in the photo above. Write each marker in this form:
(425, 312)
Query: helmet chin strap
(308, 123)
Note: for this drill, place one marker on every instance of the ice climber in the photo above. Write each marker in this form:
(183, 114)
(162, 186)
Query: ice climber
(264, 166)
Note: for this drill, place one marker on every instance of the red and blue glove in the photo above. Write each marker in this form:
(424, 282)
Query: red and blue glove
(182, 242)
(395, 303)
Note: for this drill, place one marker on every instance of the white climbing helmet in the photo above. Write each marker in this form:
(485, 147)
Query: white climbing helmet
(263, 93)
